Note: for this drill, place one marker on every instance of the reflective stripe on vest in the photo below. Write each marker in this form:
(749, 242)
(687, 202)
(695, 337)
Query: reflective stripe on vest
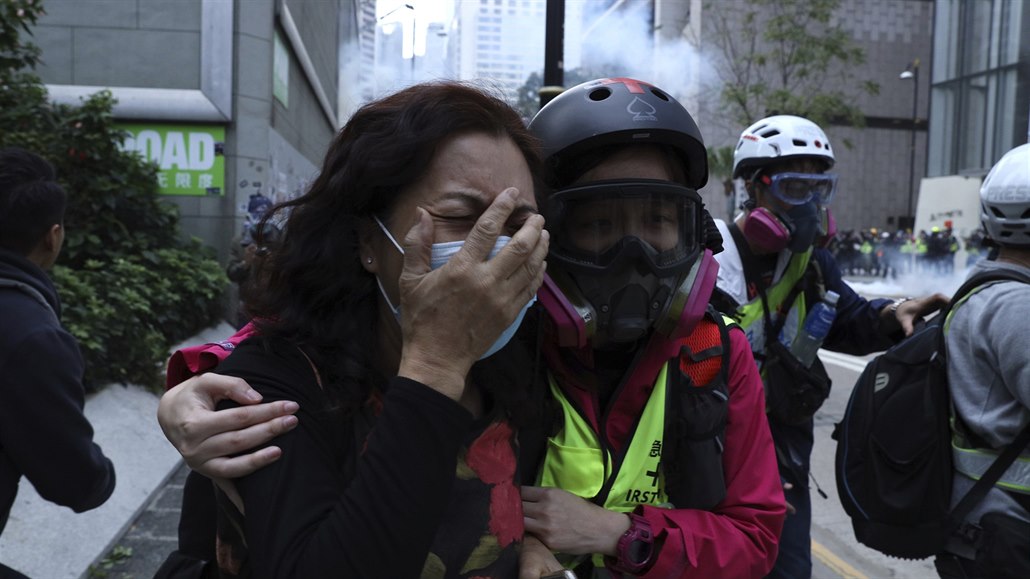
(752, 313)
(575, 461)
(974, 462)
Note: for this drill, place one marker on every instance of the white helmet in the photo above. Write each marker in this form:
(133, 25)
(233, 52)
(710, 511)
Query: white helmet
(1005, 199)
(778, 137)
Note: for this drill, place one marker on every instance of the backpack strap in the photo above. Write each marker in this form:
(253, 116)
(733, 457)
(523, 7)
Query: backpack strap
(1012, 451)
(991, 476)
(750, 263)
(697, 407)
(974, 282)
(707, 356)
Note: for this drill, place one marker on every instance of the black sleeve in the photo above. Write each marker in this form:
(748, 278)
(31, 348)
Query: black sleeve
(856, 330)
(42, 425)
(303, 520)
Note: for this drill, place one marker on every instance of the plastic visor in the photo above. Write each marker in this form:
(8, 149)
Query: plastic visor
(800, 188)
(596, 225)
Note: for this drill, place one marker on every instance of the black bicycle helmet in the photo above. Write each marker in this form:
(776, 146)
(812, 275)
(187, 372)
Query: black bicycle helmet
(617, 111)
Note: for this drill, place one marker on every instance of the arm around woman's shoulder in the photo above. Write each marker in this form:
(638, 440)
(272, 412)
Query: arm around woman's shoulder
(304, 519)
(856, 330)
(739, 537)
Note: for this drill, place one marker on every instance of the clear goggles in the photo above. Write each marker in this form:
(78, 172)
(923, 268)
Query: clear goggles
(597, 225)
(800, 188)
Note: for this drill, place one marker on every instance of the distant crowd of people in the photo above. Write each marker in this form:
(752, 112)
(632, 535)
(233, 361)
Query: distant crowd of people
(873, 252)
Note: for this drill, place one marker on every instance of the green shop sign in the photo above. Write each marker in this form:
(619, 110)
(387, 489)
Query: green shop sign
(189, 157)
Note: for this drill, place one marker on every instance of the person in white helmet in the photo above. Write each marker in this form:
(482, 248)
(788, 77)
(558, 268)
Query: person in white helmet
(773, 271)
(989, 381)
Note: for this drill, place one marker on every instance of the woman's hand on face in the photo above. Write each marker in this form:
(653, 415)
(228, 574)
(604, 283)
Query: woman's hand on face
(536, 560)
(207, 439)
(570, 524)
(451, 316)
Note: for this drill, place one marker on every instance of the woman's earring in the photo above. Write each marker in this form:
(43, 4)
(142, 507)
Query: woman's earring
(370, 261)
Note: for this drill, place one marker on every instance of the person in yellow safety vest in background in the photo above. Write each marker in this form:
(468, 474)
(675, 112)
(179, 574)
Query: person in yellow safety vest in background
(975, 250)
(952, 249)
(908, 252)
(866, 251)
(989, 382)
(922, 249)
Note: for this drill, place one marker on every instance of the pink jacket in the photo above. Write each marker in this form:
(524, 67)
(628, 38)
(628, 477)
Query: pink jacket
(740, 536)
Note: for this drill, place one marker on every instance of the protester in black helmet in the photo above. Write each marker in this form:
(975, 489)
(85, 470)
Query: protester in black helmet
(660, 463)
(774, 270)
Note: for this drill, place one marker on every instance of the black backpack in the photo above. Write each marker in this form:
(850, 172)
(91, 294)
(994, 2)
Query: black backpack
(893, 464)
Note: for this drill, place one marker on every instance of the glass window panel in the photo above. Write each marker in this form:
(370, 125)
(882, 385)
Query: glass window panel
(946, 44)
(990, 117)
(942, 130)
(977, 36)
(971, 140)
(996, 35)
(1009, 23)
(1005, 129)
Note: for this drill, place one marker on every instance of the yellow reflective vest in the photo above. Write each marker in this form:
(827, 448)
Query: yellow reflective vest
(576, 460)
(751, 315)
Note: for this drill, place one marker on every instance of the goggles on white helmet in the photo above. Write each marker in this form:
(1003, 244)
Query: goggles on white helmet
(801, 188)
(601, 225)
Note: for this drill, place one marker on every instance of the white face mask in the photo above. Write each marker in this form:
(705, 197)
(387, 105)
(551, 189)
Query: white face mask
(440, 254)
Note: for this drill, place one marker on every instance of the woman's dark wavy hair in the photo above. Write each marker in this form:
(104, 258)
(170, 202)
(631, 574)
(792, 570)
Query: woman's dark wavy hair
(315, 291)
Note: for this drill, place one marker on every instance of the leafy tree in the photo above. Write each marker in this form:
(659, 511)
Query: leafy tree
(130, 286)
(720, 165)
(787, 57)
(529, 93)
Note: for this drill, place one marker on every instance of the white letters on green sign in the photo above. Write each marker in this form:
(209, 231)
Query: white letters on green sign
(177, 151)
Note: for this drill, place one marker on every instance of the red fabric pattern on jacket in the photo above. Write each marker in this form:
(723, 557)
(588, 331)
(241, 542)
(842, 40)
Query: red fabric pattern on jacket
(491, 457)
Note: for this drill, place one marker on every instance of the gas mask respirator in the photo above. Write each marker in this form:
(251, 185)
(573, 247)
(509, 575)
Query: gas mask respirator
(808, 221)
(626, 257)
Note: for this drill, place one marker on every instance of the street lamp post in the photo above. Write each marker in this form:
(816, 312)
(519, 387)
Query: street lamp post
(912, 72)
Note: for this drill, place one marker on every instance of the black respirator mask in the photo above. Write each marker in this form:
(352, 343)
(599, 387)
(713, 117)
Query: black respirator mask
(625, 254)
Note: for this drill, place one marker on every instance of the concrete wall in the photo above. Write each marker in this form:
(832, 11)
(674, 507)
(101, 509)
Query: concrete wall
(140, 43)
(159, 45)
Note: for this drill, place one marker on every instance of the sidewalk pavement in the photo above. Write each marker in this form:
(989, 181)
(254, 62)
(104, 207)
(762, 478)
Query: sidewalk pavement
(46, 541)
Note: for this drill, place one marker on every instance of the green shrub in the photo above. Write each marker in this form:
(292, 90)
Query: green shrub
(130, 286)
(127, 312)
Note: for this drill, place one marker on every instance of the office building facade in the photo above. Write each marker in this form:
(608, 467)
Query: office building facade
(230, 99)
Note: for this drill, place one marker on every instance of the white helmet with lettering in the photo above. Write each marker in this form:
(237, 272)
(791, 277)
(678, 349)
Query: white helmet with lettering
(776, 138)
(1005, 199)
